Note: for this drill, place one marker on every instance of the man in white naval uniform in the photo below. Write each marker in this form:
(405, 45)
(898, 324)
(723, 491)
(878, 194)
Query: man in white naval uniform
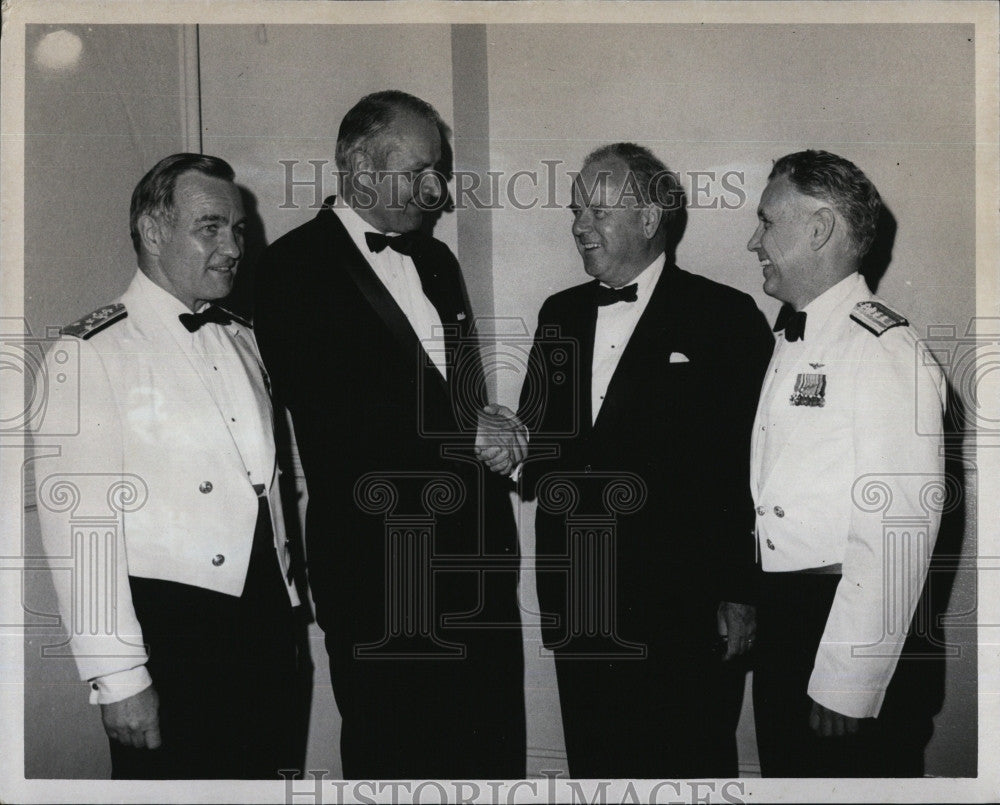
(847, 438)
(181, 618)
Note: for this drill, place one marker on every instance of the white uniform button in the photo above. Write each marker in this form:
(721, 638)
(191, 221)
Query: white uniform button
(205, 487)
(761, 511)
(218, 559)
(770, 545)
(780, 512)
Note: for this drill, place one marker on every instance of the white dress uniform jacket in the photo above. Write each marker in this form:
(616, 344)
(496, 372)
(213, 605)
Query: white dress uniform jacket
(847, 468)
(156, 480)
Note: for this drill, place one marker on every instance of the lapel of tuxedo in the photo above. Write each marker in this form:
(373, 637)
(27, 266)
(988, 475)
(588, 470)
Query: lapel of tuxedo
(651, 336)
(448, 299)
(357, 268)
(582, 327)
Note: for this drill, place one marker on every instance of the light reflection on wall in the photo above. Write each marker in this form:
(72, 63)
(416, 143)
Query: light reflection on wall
(58, 50)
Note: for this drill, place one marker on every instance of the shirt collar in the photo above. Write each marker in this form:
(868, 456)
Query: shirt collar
(166, 305)
(647, 278)
(356, 227)
(819, 309)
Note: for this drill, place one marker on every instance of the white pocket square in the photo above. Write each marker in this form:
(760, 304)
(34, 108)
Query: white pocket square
(679, 357)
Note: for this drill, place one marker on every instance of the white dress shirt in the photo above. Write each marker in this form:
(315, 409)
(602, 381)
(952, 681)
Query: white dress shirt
(615, 325)
(400, 278)
(226, 373)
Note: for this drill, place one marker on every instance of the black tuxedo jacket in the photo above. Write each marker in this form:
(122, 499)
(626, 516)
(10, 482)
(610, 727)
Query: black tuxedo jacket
(386, 445)
(667, 458)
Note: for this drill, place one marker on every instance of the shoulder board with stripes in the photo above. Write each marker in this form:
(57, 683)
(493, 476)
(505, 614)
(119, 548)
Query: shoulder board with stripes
(876, 317)
(95, 322)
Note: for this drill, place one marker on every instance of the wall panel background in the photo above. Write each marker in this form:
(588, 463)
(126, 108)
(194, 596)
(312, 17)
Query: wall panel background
(896, 99)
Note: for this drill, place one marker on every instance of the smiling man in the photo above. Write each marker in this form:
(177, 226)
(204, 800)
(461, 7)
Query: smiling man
(639, 457)
(362, 320)
(184, 625)
(838, 432)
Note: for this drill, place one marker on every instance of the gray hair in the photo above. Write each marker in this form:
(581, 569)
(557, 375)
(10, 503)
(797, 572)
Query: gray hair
(154, 195)
(649, 178)
(371, 117)
(839, 182)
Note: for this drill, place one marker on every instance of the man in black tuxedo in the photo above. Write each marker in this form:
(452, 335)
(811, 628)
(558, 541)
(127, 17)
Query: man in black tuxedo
(639, 400)
(411, 543)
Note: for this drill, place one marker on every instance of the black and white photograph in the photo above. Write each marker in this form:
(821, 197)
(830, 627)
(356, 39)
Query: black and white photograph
(499, 401)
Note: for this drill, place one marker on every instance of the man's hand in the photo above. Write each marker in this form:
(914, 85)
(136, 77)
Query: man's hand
(134, 721)
(738, 624)
(826, 722)
(501, 440)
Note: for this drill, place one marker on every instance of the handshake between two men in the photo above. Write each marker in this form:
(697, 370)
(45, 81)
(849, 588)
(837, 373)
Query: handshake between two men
(501, 439)
(677, 445)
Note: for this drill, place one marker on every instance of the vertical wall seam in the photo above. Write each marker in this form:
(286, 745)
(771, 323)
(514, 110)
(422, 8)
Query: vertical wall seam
(190, 69)
(470, 102)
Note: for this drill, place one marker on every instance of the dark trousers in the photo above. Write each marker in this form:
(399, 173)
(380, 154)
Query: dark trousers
(670, 715)
(791, 617)
(429, 718)
(225, 671)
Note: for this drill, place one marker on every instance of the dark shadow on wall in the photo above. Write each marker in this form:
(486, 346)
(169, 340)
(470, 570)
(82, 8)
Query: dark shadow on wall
(917, 691)
(240, 299)
(875, 263)
(676, 233)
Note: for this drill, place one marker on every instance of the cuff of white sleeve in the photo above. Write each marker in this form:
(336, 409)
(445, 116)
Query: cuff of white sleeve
(515, 474)
(856, 704)
(120, 685)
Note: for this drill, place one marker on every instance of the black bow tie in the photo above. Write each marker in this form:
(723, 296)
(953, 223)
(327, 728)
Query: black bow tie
(608, 296)
(793, 322)
(404, 244)
(210, 315)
